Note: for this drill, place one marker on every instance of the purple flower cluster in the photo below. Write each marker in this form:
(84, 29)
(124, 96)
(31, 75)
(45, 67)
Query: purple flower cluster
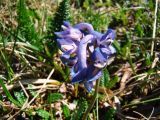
(85, 51)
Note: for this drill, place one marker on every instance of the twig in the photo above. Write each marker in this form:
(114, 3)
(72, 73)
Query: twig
(24, 90)
(39, 90)
(140, 115)
(125, 77)
(154, 62)
(124, 117)
(92, 101)
(32, 81)
(142, 102)
(20, 44)
(149, 118)
(117, 9)
(47, 87)
(154, 27)
(147, 39)
(17, 53)
(10, 118)
(117, 104)
(107, 96)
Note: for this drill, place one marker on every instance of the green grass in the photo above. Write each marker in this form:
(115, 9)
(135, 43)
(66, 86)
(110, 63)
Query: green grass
(28, 52)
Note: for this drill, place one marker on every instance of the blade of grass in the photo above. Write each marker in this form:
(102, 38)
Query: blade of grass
(142, 102)
(8, 94)
(7, 65)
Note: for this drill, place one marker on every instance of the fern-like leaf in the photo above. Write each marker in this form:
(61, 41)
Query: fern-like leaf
(81, 107)
(105, 78)
(66, 112)
(25, 24)
(62, 14)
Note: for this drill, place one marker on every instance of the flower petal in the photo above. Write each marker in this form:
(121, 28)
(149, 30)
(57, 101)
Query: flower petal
(108, 38)
(79, 76)
(82, 59)
(110, 34)
(82, 51)
(101, 55)
(74, 34)
(88, 85)
(66, 24)
(66, 45)
(88, 28)
(98, 35)
(84, 26)
(70, 33)
(93, 73)
(99, 58)
(67, 60)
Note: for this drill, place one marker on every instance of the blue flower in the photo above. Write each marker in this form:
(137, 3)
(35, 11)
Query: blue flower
(85, 51)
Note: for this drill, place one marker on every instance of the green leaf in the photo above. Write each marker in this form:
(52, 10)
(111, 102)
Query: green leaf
(110, 114)
(105, 78)
(20, 97)
(26, 25)
(62, 14)
(113, 81)
(8, 94)
(32, 91)
(81, 107)
(106, 81)
(147, 59)
(117, 46)
(59, 69)
(33, 47)
(139, 30)
(43, 113)
(66, 112)
(53, 97)
(5, 62)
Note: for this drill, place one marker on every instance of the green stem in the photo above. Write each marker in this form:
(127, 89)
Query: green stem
(154, 26)
(92, 101)
(97, 108)
(142, 102)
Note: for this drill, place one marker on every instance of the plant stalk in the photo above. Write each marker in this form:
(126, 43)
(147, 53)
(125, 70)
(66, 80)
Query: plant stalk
(92, 101)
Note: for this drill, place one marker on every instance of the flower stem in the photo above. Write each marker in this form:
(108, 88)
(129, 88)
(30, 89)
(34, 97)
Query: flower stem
(92, 101)
(154, 27)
